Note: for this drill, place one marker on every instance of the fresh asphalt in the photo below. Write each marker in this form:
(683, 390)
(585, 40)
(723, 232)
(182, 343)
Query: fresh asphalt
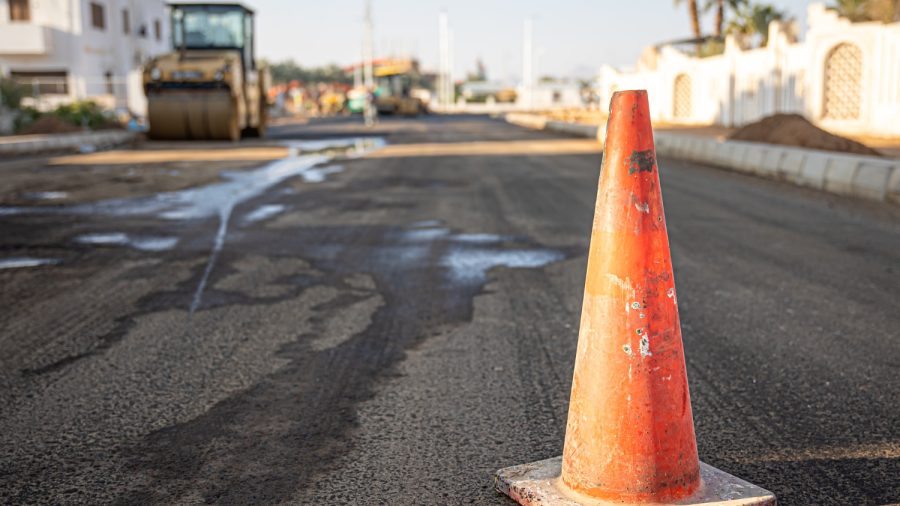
(396, 330)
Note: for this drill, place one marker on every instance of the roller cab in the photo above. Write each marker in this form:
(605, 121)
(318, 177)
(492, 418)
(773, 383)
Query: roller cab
(209, 86)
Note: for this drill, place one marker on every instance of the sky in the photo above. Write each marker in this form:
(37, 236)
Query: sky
(572, 38)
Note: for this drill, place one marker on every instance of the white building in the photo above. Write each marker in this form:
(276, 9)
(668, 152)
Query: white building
(68, 50)
(843, 76)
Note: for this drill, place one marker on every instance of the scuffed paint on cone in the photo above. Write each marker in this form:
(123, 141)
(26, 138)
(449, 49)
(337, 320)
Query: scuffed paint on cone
(630, 434)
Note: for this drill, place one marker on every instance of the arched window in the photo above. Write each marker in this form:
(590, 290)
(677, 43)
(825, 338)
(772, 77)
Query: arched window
(842, 91)
(681, 99)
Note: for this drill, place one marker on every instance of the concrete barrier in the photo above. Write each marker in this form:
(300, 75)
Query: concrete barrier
(839, 176)
(791, 164)
(867, 177)
(572, 128)
(771, 160)
(871, 179)
(893, 188)
(527, 120)
(812, 173)
(24, 145)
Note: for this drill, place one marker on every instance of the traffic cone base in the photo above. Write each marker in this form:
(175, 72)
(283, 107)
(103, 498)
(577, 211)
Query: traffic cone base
(540, 484)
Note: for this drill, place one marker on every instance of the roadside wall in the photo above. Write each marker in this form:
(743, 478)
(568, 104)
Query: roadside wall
(844, 76)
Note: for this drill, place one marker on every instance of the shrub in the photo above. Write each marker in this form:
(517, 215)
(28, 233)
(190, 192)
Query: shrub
(11, 93)
(84, 114)
(77, 115)
(25, 118)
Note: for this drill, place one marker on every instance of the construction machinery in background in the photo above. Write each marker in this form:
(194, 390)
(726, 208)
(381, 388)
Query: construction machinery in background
(396, 85)
(399, 88)
(210, 86)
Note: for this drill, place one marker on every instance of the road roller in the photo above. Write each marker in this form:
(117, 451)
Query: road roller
(395, 80)
(210, 85)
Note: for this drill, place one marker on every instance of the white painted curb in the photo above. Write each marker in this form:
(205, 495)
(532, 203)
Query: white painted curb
(39, 144)
(867, 177)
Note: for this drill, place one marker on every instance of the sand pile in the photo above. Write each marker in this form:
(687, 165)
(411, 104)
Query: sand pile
(795, 130)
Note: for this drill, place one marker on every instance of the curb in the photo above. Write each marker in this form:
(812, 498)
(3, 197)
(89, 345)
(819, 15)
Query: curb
(867, 177)
(41, 144)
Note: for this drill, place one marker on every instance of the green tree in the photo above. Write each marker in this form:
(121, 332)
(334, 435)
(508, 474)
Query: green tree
(11, 93)
(857, 11)
(752, 20)
(288, 70)
(694, 14)
(721, 6)
(854, 10)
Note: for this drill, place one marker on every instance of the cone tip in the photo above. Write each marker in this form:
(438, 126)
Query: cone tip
(630, 92)
(629, 96)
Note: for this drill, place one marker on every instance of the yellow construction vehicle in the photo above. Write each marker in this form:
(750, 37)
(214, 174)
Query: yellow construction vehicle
(395, 80)
(210, 86)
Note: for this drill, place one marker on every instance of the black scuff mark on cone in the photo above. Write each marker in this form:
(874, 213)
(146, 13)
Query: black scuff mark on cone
(641, 161)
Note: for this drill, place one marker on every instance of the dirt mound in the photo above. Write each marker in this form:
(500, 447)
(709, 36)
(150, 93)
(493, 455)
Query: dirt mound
(49, 124)
(795, 130)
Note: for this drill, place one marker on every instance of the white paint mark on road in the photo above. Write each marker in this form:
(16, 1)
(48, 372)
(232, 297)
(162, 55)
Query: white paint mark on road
(479, 238)
(263, 212)
(153, 243)
(50, 195)
(113, 238)
(143, 243)
(218, 243)
(472, 264)
(20, 262)
(318, 174)
(424, 234)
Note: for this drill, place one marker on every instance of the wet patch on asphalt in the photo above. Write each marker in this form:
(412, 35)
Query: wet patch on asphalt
(219, 199)
(399, 285)
(392, 286)
(216, 200)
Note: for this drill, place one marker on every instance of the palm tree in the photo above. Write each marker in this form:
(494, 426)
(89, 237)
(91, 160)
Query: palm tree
(753, 20)
(721, 6)
(694, 13)
(720, 14)
(854, 10)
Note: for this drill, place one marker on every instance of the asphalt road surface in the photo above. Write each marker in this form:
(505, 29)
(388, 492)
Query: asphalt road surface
(350, 323)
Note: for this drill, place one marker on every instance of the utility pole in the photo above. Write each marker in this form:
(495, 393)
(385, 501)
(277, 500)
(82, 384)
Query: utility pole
(368, 56)
(451, 87)
(357, 72)
(527, 64)
(443, 60)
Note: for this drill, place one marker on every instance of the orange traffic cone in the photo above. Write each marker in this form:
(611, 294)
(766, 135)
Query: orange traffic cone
(630, 432)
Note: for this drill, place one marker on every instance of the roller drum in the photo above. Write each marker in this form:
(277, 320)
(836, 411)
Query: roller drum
(183, 115)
